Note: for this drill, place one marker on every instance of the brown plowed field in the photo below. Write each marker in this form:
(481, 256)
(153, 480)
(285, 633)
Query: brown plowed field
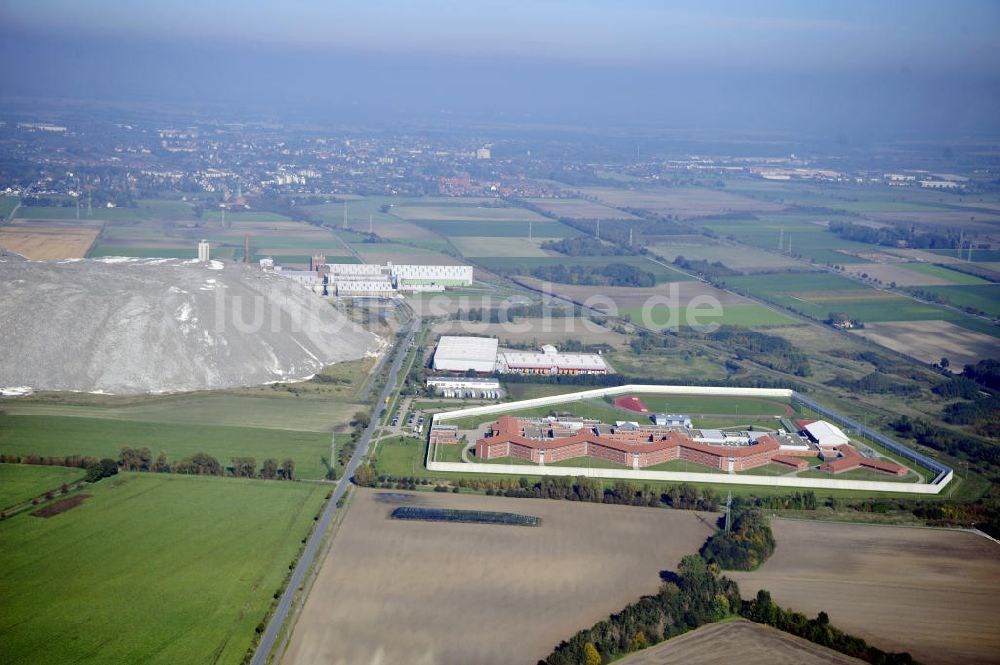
(738, 642)
(933, 593)
(427, 593)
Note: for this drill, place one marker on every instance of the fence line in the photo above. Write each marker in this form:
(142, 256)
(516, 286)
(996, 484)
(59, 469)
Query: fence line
(943, 477)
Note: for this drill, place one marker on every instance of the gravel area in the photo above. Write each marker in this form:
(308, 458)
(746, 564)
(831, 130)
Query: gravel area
(124, 325)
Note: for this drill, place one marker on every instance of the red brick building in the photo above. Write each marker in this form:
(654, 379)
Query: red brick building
(850, 459)
(634, 448)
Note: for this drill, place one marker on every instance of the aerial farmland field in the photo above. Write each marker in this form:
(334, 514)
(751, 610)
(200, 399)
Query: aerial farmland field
(579, 209)
(22, 482)
(43, 241)
(104, 437)
(738, 642)
(681, 201)
(348, 617)
(482, 246)
(928, 592)
(929, 341)
(160, 568)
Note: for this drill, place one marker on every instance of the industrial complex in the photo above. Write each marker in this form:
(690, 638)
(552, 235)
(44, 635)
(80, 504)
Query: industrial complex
(372, 279)
(483, 355)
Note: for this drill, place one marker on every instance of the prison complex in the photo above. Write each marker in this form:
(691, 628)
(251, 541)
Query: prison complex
(644, 446)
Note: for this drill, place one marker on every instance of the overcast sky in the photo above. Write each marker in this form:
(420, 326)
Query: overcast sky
(809, 66)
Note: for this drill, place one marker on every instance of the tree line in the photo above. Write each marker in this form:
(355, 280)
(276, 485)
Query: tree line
(768, 350)
(895, 236)
(612, 274)
(697, 594)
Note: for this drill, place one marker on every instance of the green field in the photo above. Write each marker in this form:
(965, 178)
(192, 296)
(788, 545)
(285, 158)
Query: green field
(7, 204)
(808, 240)
(146, 209)
(708, 404)
(978, 255)
(524, 265)
(817, 294)
(942, 272)
(22, 482)
(735, 257)
(279, 410)
(102, 437)
(506, 229)
(150, 569)
(497, 246)
(461, 210)
(983, 297)
(750, 315)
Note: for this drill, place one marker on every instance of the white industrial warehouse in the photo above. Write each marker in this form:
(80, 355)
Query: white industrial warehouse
(462, 354)
(481, 354)
(826, 434)
(372, 279)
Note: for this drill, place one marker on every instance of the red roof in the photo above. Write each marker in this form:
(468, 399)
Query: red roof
(509, 429)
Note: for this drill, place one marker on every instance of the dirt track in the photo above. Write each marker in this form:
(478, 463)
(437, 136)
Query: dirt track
(431, 593)
(930, 592)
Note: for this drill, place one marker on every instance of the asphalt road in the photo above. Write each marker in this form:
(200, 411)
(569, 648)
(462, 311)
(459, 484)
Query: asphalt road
(270, 636)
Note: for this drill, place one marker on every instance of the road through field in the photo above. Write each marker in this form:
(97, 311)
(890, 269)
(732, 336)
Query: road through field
(274, 626)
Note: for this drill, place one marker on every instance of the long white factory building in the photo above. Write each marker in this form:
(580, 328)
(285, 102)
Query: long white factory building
(482, 354)
(372, 279)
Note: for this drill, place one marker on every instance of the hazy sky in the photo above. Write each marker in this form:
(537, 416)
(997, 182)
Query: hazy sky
(815, 66)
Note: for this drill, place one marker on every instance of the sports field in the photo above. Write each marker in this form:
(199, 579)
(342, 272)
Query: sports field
(929, 592)
(102, 437)
(716, 405)
(471, 578)
(23, 482)
(150, 569)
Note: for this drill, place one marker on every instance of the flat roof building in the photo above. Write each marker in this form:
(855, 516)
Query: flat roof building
(826, 434)
(551, 361)
(461, 354)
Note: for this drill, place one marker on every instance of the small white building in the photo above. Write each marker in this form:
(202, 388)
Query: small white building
(671, 420)
(204, 251)
(826, 434)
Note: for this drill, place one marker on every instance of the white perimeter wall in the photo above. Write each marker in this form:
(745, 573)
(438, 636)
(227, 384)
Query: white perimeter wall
(669, 476)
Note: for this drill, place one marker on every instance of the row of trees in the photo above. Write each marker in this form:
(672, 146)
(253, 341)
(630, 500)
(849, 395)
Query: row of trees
(612, 274)
(584, 246)
(877, 382)
(894, 236)
(764, 610)
(696, 595)
(768, 350)
(203, 464)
